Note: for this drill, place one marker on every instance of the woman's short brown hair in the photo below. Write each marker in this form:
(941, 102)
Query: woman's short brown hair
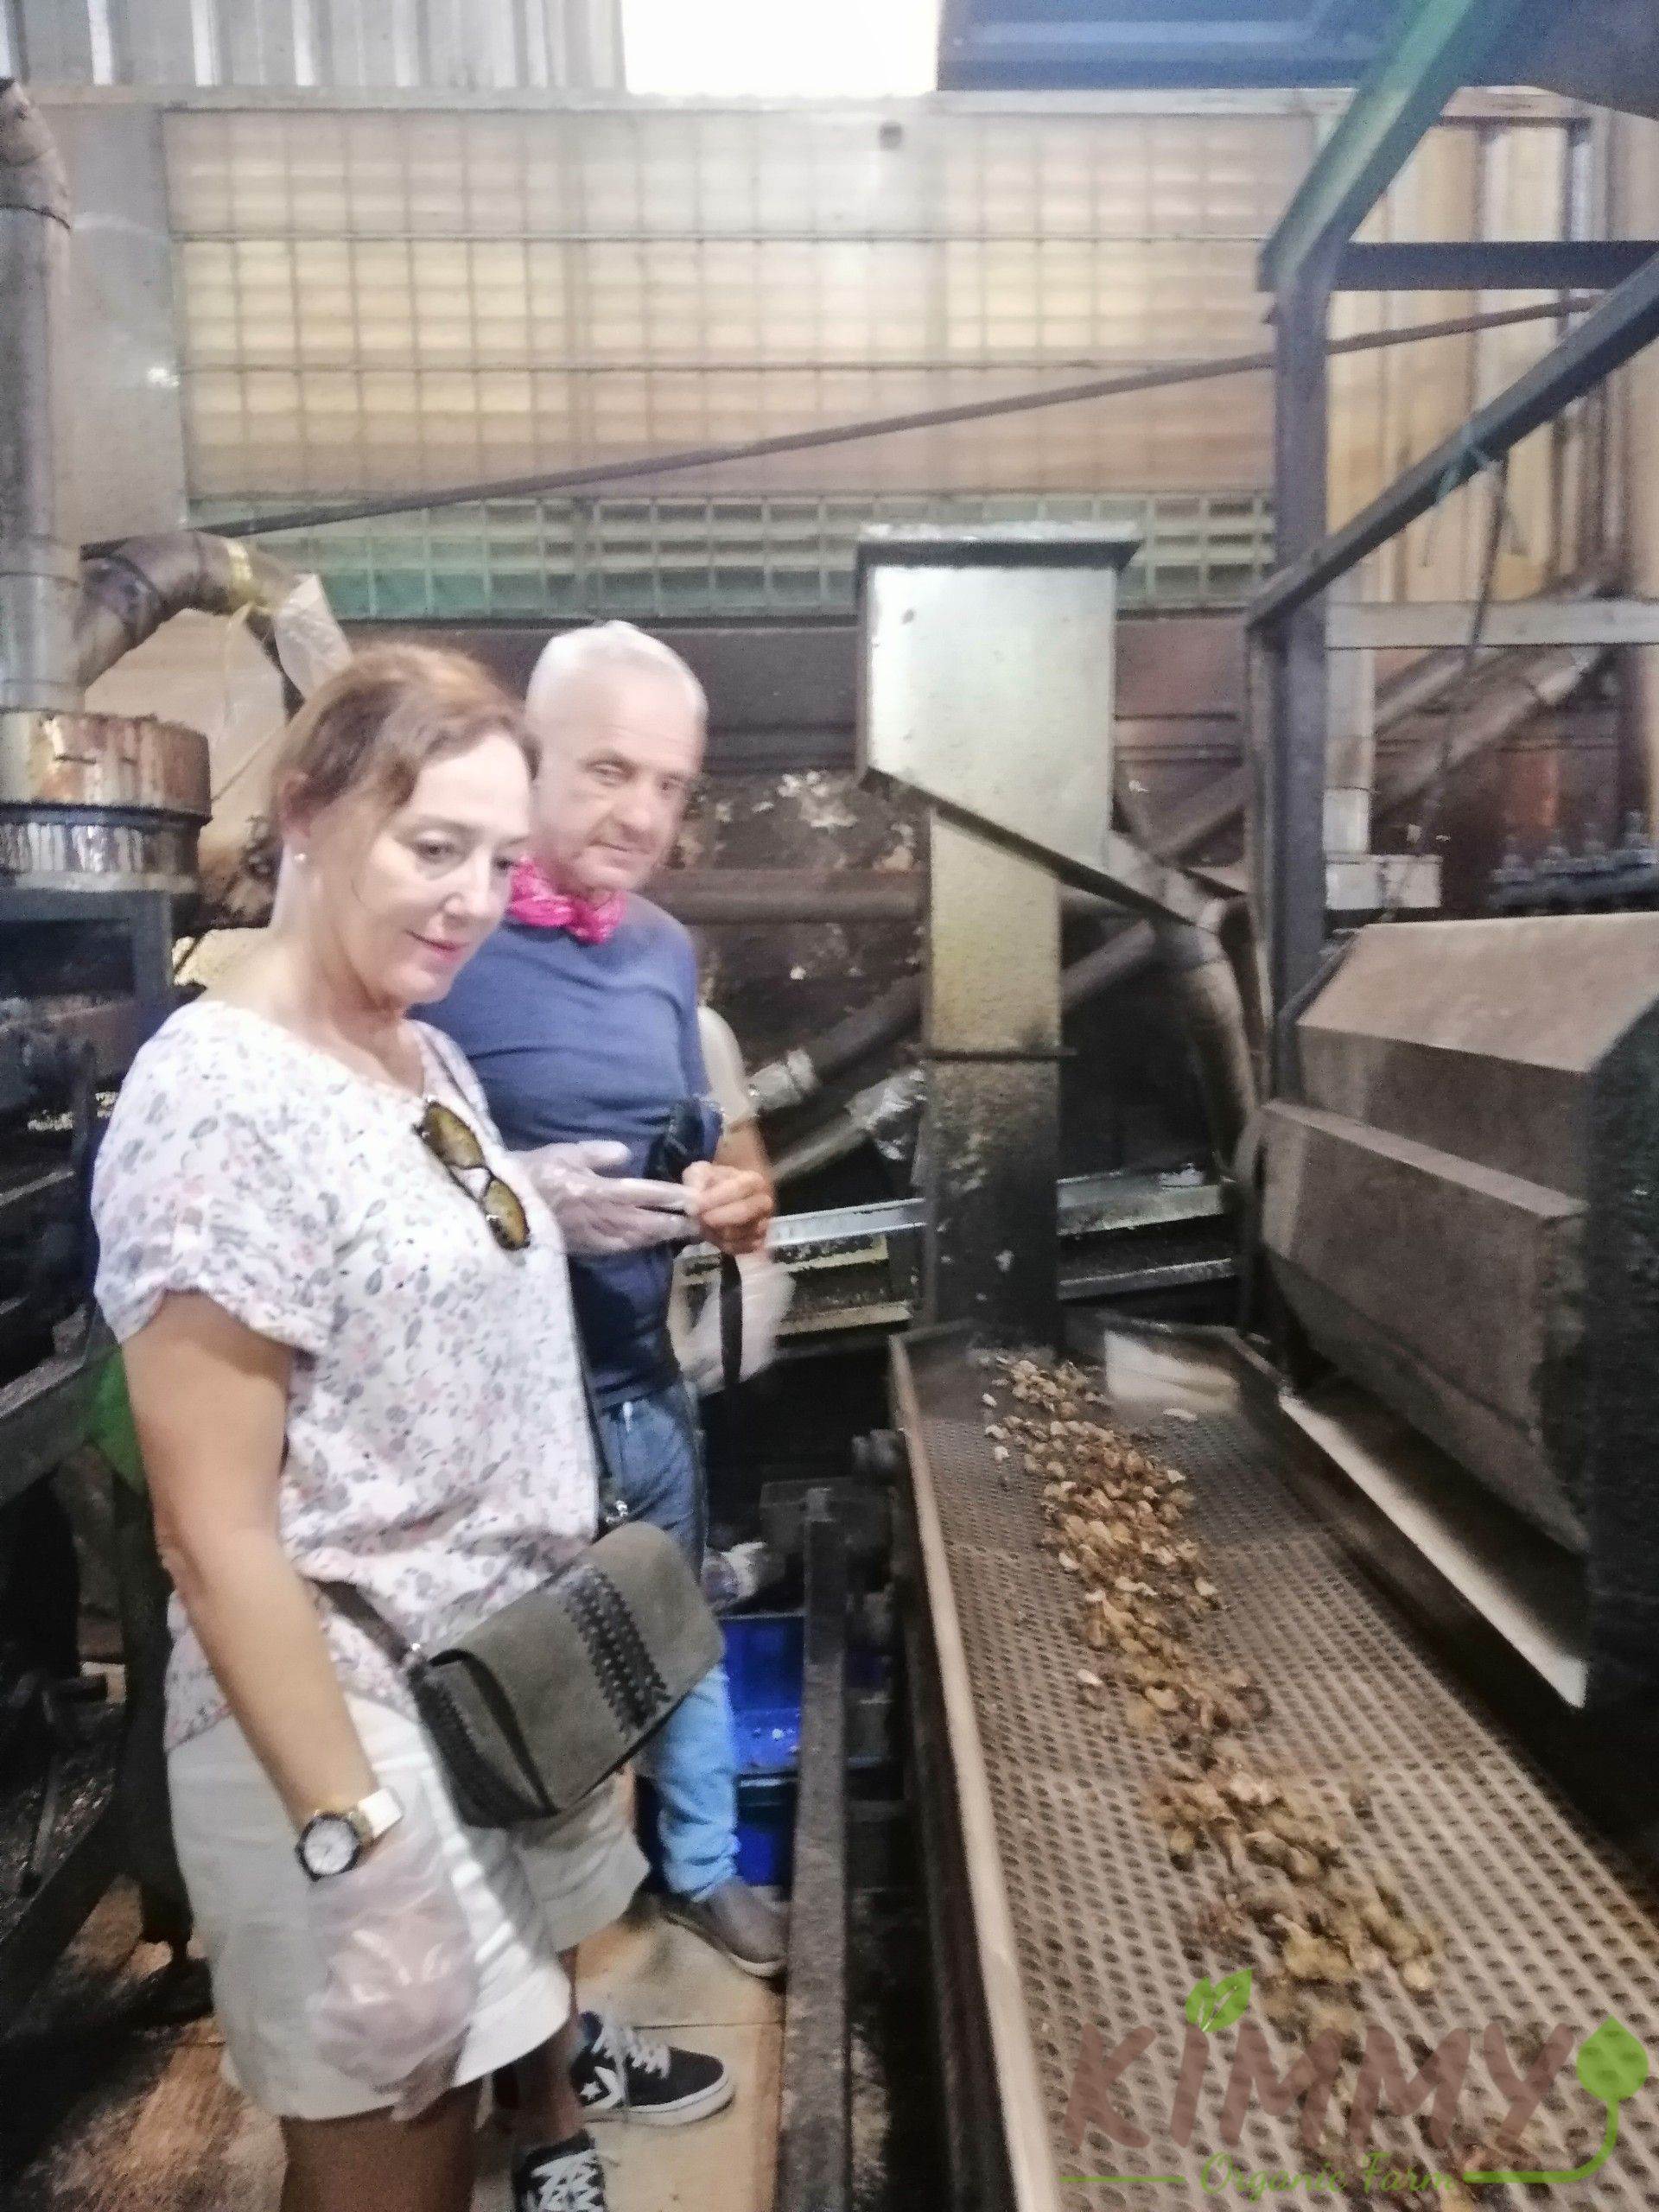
(374, 727)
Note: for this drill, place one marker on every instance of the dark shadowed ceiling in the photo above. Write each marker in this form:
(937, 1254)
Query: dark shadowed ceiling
(1008, 45)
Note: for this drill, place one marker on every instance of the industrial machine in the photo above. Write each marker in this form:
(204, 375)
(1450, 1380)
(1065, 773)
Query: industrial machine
(1457, 1199)
(1444, 1370)
(1414, 1463)
(100, 819)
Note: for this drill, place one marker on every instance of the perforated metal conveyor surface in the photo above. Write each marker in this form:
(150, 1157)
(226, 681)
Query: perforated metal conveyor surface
(1545, 1924)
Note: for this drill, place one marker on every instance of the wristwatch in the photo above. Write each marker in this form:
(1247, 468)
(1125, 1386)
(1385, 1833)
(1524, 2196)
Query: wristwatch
(333, 1841)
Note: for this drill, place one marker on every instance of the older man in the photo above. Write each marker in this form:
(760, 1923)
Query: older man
(581, 1017)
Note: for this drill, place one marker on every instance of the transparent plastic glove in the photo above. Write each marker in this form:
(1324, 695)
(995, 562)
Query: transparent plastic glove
(768, 1291)
(599, 1209)
(400, 1978)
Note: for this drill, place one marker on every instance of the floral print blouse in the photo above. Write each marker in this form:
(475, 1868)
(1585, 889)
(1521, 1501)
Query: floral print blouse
(438, 1452)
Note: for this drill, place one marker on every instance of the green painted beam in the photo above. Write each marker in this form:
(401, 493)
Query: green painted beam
(1443, 45)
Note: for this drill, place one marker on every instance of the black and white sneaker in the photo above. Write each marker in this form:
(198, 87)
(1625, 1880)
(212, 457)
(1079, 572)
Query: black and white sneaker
(622, 2075)
(559, 2177)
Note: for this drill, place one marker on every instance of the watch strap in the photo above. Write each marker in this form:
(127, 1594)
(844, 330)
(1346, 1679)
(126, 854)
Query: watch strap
(374, 1816)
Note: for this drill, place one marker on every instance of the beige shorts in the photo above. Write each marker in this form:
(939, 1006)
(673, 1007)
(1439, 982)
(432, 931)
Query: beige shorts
(528, 1894)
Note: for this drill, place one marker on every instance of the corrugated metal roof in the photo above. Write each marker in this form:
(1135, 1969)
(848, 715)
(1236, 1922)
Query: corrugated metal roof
(333, 45)
(1008, 45)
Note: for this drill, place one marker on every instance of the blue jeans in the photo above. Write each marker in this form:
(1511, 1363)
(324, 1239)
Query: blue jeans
(655, 1448)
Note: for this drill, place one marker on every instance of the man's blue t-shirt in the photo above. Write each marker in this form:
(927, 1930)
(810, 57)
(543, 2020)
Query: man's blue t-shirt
(575, 1040)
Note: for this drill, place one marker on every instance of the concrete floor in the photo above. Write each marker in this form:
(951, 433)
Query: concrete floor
(100, 2113)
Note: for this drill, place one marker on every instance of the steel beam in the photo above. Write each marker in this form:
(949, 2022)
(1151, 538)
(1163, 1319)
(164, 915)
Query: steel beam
(1626, 321)
(1290, 877)
(1444, 45)
(1491, 264)
(815, 2122)
(1428, 626)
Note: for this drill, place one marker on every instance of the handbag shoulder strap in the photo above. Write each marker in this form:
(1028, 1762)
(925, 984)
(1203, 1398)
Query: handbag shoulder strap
(363, 1613)
(613, 1506)
(731, 1324)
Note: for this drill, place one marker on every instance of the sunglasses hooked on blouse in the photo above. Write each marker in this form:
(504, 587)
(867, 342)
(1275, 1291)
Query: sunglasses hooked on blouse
(455, 1146)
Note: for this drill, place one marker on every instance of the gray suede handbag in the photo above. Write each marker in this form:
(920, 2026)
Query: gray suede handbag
(533, 1708)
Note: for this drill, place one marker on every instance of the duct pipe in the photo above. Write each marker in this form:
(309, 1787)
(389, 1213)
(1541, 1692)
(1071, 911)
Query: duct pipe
(804, 1071)
(1205, 986)
(794, 1078)
(718, 898)
(1125, 953)
(38, 563)
(1507, 703)
(1220, 803)
(127, 592)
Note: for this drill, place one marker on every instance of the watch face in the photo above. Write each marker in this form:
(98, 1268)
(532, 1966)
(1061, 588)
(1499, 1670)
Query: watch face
(328, 1844)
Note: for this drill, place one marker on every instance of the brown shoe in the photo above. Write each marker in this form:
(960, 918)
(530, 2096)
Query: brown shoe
(752, 1931)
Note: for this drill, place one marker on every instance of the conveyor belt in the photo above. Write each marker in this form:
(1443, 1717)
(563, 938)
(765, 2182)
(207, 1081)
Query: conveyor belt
(1544, 1922)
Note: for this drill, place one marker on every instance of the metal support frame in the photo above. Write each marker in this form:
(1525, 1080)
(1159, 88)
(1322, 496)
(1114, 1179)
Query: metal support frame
(1290, 676)
(815, 2122)
(45, 1415)
(1626, 321)
(1444, 47)
(1432, 625)
(1022, 2151)
(32, 1937)
(1491, 264)
(1446, 44)
(975, 2153)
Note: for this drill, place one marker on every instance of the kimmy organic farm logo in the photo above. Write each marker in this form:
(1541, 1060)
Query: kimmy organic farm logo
(1612, 2066)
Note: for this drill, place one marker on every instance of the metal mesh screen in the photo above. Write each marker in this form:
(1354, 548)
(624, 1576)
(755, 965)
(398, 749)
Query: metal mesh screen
(1545, 1924)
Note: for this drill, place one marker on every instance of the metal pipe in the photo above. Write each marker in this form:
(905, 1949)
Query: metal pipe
(546, 481)
(1636, 178)
(1125, 953)
(1220, 803)
(127, 592)
(731, 898)
(37, 564)
(794, 1079)
(1505, 706)
(1206, 986)
(738, 898)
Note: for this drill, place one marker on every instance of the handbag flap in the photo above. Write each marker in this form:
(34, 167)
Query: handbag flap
(581, 1668)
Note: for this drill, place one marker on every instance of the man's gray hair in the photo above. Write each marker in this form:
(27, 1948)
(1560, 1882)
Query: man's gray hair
(602, 647)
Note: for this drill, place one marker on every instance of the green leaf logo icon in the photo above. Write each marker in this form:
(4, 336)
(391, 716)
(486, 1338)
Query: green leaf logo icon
(1213, 2005)
(1613, 2065)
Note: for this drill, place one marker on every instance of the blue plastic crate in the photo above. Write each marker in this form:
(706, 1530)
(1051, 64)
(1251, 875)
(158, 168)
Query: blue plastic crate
(766, 1830)
(764, 1662)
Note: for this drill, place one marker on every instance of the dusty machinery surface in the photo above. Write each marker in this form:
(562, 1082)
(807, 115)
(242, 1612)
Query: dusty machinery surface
(987, 672)
(1458, 1206)
(1461, 1204)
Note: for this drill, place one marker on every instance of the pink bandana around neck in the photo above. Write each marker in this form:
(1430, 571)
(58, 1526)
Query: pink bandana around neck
(534, 901)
